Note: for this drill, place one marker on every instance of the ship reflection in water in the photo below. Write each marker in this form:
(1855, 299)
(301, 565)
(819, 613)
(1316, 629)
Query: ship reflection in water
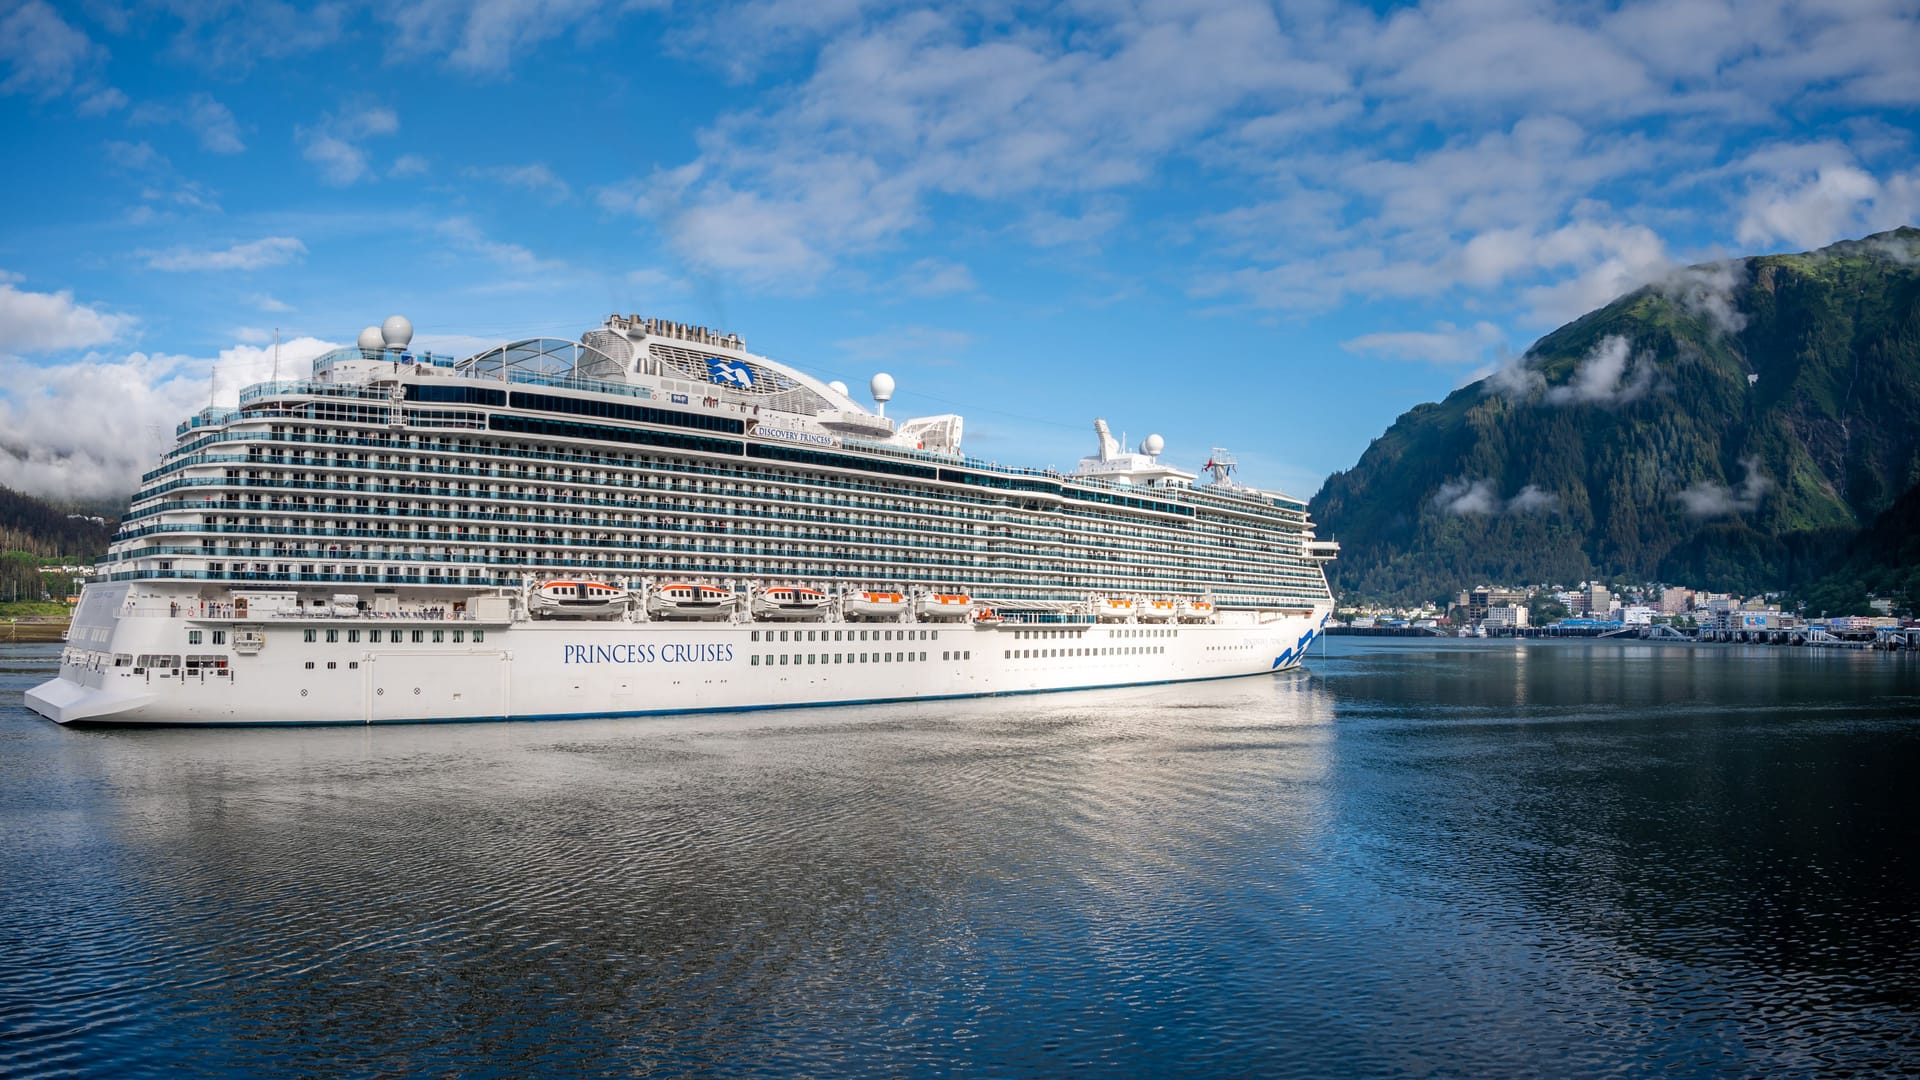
(1410, 858)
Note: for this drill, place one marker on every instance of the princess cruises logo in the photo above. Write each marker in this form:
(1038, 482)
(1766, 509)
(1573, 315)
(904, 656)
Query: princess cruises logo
(729, 372)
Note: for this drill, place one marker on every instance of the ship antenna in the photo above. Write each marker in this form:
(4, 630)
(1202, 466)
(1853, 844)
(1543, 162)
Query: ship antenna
(276, 354)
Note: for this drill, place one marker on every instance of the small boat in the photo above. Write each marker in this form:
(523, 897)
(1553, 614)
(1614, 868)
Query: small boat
(943, 606)
(869, 604)
(790, 602)
(683, 600)
(1113, 609)
(1195, 610)
(568, 599)
(1158, 611)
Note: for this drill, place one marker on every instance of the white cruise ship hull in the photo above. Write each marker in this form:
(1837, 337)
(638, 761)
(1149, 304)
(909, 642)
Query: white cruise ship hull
(553, 670)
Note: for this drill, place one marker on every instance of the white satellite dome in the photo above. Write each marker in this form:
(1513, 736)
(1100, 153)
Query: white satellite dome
(840, 388)
(371, 340)
(396, 331)
(882, 387)
(1152, 445)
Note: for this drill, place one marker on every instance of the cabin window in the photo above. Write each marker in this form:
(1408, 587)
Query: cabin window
(783, 635)
(333, 637)
(439, 636)
(754, 660)
(479, 635)
(309, 665)
(308, 635)
(219, 637)
(331, 665)
(755, 636)
(353, 636)
(966, 654)
(783, 659)
(419, 636)
(193, 637)
(459, 636)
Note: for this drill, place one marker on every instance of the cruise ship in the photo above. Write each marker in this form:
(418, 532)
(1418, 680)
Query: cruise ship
(653, 519)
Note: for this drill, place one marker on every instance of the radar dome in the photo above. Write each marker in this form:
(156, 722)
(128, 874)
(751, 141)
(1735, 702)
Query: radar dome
(371, 340)
(839, 387)
(396, 331)
(1153, 445)
(882, 387)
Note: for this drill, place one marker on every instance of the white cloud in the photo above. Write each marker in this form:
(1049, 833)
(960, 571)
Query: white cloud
(334, 143)
(43, 322)
(213, 123)
(1532, 500)
(1835, 202)
(1708, 292)
(935, 277)
(253, 255)
(464, 234)
(1710, 499)
(1444, 344)
(929, 346)
(1607, 375)
(492, 37)
(102, 101)
(268, 304)
(131, 405)
(409, 165)
(535, 177)
(46, 56)
(1463, 497)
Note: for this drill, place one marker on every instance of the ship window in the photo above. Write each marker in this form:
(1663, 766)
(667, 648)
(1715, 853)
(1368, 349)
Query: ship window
(353, 665)
(812, 658)
(944, 656)
(783, 659)
(331, 665)
(353, 636)
(309, 665)
(1006, 654)
(966, 654)
(754, 659)
(333, 637)
(755, 636)
(439, 636)
(923, 656)
(193, 637)
(307, 635)
(783, 635)
(219, 637)
(459, 636)
(838, 657)
(889, 658)
(419, 636)
(479, 635)
(863, 658)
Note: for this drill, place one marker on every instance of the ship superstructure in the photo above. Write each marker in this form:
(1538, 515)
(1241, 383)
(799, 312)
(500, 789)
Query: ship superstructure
(650, 487)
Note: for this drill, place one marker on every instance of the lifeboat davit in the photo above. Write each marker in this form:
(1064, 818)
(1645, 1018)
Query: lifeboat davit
(789, 602)
(1196, 610)
(870, 604)
(942, 607)
(568, 599)
(1158, 611)
(684, 600)
(1113, 609)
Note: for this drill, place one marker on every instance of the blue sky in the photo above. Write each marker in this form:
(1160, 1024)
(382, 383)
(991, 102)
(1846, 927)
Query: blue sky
(1270, 227)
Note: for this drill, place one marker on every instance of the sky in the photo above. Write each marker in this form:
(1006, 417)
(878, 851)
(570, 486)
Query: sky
(1270, 227)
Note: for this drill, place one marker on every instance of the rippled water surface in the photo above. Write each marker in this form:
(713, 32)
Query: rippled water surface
(1471, 857)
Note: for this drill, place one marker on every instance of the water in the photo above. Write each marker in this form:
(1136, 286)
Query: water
(1462, 857)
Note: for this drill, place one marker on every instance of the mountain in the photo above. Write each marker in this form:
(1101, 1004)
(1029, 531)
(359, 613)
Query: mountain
(1733, 427)
(40, 528)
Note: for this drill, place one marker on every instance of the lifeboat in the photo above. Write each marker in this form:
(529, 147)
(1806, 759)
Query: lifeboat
(1159, 611)
(988, 616)
(869, 604)
(789, 602)
(940, 607)
(569, 599)
(1113, 609)
(1196, 610)
(683, 600)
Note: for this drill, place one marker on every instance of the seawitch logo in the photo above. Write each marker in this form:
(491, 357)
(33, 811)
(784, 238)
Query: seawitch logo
(729, 372)
(671, 653)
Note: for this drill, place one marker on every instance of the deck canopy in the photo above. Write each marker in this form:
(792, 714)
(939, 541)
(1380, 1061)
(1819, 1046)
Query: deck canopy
(545, 356)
